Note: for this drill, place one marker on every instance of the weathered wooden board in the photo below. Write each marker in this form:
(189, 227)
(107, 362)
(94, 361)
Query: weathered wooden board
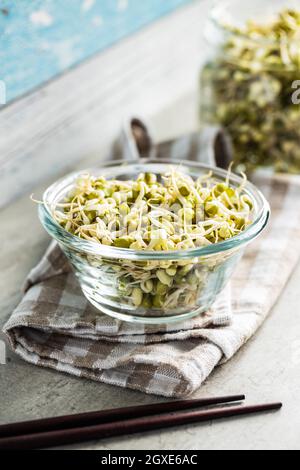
(40, 40)
(78, 114)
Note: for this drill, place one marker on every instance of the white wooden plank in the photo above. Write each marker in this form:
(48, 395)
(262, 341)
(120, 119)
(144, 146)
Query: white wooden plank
(78, 115)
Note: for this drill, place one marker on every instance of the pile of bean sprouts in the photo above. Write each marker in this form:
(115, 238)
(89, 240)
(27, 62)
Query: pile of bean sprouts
(168, 212)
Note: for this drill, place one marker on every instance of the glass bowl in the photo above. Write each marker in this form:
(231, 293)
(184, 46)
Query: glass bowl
(124, 283)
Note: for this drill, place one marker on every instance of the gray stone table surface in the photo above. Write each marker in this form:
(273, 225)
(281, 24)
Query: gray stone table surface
(265, 369)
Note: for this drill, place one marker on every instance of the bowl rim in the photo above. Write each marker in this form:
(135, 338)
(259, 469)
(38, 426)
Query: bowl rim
(93, 248)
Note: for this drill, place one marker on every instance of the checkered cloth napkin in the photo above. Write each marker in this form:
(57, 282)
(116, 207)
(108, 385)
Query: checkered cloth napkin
(54, 325)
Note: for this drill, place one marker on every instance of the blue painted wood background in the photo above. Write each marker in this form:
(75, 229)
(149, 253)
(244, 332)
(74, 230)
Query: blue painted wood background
(39, 39)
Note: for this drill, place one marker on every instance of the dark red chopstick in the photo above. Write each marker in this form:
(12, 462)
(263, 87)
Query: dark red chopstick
(130, 426)
(104, 416)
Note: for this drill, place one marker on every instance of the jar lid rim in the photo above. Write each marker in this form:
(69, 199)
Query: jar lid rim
(216, 18)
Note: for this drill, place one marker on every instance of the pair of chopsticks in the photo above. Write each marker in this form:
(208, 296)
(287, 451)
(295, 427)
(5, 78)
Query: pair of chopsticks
(82, 427)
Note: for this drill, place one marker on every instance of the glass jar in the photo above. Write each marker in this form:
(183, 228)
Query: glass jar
(250, 79)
